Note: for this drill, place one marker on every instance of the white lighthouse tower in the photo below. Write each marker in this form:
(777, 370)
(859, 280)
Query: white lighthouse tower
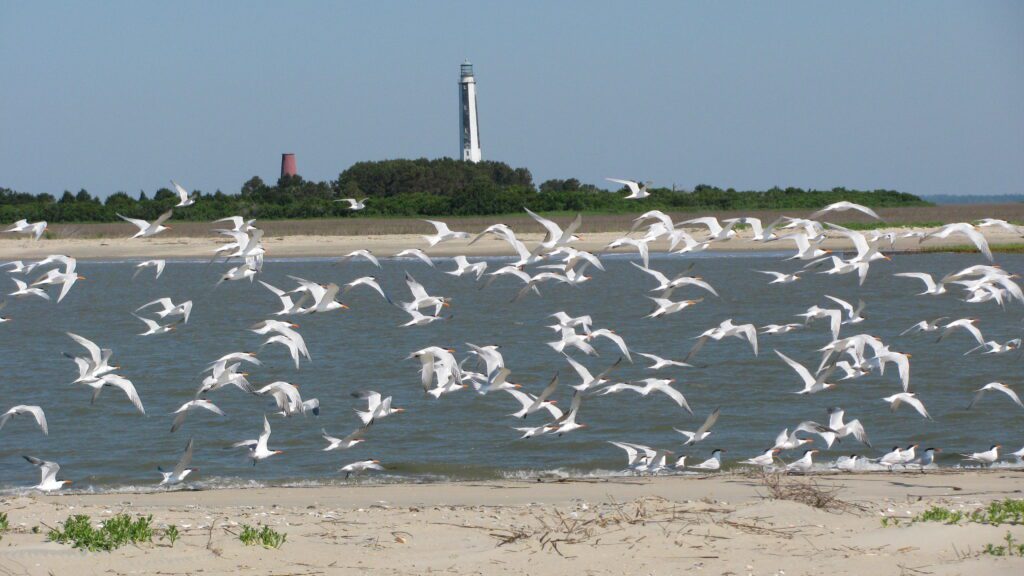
(469, 127)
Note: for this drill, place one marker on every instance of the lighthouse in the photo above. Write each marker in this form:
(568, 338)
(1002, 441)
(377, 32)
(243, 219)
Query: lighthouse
(469, 127)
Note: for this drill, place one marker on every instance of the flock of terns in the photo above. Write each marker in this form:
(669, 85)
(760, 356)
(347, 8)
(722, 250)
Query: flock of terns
(553, 261)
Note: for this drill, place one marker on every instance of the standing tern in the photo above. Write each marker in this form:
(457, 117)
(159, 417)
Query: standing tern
(891, 458)
(988, 457)
(713, 463)
(766, 459)
(804, 464)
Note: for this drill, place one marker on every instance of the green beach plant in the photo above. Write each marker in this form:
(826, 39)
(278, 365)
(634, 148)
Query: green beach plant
(266, 537)
(171, 534)
(112, 534)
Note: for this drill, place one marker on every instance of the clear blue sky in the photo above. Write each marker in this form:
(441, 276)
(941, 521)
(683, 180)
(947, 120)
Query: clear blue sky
(925, 97)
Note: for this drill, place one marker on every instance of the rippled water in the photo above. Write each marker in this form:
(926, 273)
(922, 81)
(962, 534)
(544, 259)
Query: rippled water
(465, 435)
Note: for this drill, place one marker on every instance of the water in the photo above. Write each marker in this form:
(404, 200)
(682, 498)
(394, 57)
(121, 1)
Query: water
(463, 435)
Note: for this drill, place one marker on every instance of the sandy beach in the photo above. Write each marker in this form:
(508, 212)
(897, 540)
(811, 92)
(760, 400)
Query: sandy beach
(299, 245)
(723, 524)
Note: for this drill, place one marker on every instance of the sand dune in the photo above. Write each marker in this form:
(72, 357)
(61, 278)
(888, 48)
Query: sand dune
(718, 525)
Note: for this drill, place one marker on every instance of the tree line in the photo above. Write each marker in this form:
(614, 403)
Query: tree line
(423, 187)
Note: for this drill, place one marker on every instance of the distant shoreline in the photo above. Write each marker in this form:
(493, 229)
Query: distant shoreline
(306, 246)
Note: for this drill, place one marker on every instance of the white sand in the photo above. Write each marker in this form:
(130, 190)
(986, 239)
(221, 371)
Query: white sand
(717, 525)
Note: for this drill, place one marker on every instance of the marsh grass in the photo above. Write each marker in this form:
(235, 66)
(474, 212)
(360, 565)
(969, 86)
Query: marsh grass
(266, 537)
(964, 248)
(905, 216)
(114, 533)
(5, 524)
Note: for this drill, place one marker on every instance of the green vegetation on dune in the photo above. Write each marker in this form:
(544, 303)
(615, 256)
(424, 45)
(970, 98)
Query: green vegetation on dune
(432, 188)
(1014, 248)
(112, 534)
